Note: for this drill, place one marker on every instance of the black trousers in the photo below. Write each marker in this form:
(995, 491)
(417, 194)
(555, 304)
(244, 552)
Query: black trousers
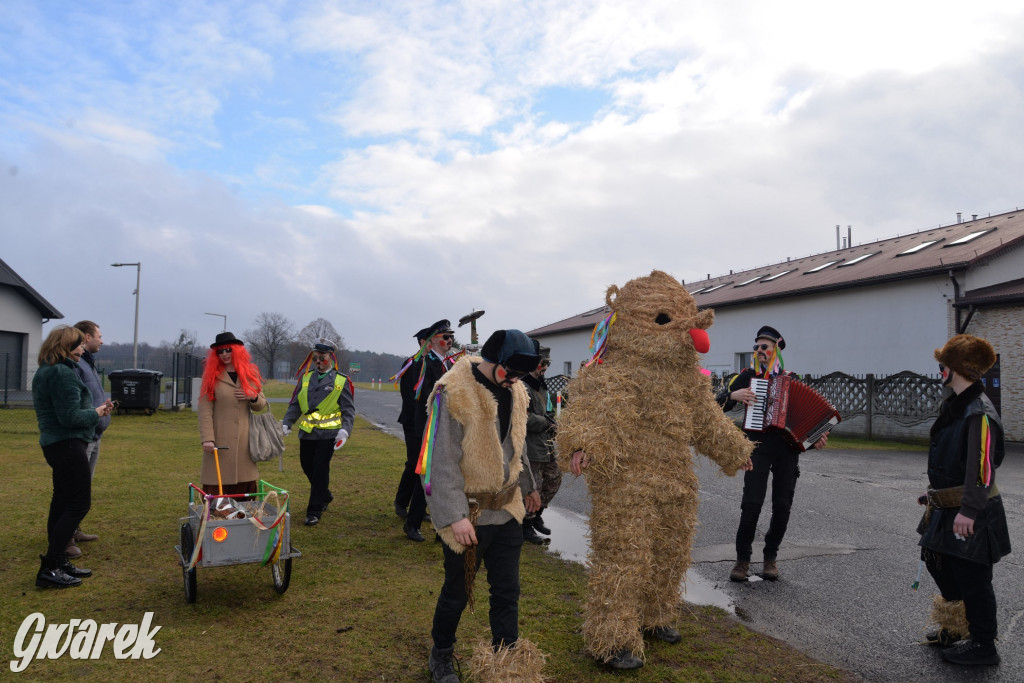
(971, 582)
(315, 457)
(72, 493)
(498, 548)
(410, 486)
(784, 468)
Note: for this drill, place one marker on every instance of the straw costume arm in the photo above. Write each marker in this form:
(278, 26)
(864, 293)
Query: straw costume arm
(717, 437)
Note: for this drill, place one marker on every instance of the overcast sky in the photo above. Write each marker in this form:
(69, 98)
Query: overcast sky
(386, 164)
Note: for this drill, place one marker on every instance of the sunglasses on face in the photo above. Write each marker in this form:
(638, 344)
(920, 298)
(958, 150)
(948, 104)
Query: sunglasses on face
(447, 337)
(511, 374)
(942, 368)
(760, 347)
(224, 350)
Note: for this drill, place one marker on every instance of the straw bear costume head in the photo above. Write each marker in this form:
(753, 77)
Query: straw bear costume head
(657, 319)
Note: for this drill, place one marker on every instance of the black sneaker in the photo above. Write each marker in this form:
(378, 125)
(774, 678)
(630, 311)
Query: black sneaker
(312, 520)
(50, 575)
(665, 634)
(972, 653)
(412, 533)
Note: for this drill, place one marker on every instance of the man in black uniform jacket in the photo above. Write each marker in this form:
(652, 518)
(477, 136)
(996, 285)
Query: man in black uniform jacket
(772, 454)
(413, 418)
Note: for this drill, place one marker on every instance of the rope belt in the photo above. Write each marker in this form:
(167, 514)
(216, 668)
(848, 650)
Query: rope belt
(478, 502)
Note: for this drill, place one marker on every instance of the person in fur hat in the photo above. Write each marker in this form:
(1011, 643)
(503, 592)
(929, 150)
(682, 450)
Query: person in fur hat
(477, 479)
(637, 409)
(963, 530)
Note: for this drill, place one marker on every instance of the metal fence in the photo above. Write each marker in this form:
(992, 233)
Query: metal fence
(16, 413)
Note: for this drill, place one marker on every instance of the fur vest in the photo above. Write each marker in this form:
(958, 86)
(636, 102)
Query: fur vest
(474, 407)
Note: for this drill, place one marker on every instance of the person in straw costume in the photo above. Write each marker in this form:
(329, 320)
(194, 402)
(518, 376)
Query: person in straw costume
(635, 411)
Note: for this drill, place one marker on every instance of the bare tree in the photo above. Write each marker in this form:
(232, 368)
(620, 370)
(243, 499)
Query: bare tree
(313, 332)
(270, 338)
(187, 342)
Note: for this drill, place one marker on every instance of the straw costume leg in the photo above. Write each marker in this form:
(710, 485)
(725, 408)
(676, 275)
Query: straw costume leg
(672, 543)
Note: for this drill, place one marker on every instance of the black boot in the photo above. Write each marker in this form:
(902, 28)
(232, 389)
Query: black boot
(73, 571)
(530, 535)
(52, 576)
(539, 525)
(441, 665)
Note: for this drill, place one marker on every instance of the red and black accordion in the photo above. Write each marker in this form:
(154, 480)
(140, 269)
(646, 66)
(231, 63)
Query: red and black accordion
(801, 413)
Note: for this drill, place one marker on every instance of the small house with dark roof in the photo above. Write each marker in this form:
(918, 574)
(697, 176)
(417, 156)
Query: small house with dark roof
(879, 308)
(23, 311)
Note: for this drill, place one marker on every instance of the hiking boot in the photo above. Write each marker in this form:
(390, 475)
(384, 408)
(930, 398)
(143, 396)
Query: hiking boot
(941, 637)
(539, 525)
(770, 571)
(665, 634)
(625, 659)
(73, 550)
(82, 537)
(740, 571)
(972, 653)
(51, 575)
(442, 665)
(530, 535)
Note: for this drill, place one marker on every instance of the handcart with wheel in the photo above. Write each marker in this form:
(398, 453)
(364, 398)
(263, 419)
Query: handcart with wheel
(256, 529)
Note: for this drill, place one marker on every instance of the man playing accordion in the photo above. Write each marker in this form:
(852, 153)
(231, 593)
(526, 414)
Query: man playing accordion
(773, 454)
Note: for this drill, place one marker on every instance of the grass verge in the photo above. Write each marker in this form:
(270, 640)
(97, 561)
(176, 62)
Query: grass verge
(361, 598)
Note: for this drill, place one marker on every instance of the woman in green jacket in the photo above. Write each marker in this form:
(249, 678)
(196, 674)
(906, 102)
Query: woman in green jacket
(67, 421)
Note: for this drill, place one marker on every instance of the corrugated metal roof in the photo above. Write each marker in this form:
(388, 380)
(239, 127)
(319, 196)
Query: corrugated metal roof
(9, 277)
(958, 247)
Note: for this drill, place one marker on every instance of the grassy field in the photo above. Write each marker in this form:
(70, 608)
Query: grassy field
(361, 598)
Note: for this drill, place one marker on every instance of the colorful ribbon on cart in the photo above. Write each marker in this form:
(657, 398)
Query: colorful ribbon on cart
(273, 550)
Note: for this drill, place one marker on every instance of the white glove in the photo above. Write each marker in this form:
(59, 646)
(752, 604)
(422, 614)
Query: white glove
(285, 429)
(340, 440)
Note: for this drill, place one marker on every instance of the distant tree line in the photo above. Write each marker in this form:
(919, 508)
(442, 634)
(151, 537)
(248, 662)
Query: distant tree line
(273, 342)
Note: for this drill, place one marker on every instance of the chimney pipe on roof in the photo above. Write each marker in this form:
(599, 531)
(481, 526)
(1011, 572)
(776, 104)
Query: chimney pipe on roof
(837, 237)
(849, 236)
(958, 219)
(974, 216)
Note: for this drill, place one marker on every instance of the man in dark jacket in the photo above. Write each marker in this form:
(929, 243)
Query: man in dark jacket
(540, 447)
(416, 382)
(323, 406)
(772, 454)
(86, 370)
(963, 531)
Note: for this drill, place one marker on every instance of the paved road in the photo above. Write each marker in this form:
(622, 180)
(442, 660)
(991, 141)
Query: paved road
(847, 564)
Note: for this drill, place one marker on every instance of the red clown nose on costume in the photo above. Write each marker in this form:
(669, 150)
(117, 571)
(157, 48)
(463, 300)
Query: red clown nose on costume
(700, 340)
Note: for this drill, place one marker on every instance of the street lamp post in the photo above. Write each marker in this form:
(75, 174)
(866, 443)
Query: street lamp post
(220, 315)
(138, 282)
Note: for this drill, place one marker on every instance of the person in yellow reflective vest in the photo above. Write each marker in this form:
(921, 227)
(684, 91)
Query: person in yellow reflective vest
(323, 409)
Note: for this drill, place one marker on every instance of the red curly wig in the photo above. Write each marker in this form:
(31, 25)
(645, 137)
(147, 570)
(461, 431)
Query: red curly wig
(248, 373)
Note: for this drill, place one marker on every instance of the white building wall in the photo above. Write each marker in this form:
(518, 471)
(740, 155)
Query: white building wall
(567, 347)
(1006, 268)
(880, 329)
(18, 315)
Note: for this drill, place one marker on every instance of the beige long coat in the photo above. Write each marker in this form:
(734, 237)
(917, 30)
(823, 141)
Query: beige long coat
(225, 422)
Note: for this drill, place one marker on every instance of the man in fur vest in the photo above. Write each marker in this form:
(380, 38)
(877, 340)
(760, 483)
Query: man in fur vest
(477, 479)
(963, 531)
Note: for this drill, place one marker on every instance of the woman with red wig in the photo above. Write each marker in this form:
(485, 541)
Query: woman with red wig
(232, 387)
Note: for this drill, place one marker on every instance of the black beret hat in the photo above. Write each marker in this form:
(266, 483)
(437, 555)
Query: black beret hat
(768, 332)
(437, 328)
(513, 349)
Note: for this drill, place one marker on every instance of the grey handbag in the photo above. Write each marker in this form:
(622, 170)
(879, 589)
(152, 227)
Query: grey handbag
(265, 438)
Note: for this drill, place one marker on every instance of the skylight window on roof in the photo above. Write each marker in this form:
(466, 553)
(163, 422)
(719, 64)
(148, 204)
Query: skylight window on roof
(778, 275)
(967, 238)
(914, 250)
(823, 266)
(698, 291)
(711, 289)
(857, 260)
(753, 279)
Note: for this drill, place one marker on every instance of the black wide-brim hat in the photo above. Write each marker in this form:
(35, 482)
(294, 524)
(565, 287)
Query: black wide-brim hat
(769, 332)
(225, 338)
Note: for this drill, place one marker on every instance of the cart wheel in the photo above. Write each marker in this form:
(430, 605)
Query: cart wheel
(188, 544)
(282, 575)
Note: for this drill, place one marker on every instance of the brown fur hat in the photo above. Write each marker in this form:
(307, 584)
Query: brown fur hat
(967, 355)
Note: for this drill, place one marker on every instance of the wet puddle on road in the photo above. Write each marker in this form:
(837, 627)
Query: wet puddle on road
(569, 540)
